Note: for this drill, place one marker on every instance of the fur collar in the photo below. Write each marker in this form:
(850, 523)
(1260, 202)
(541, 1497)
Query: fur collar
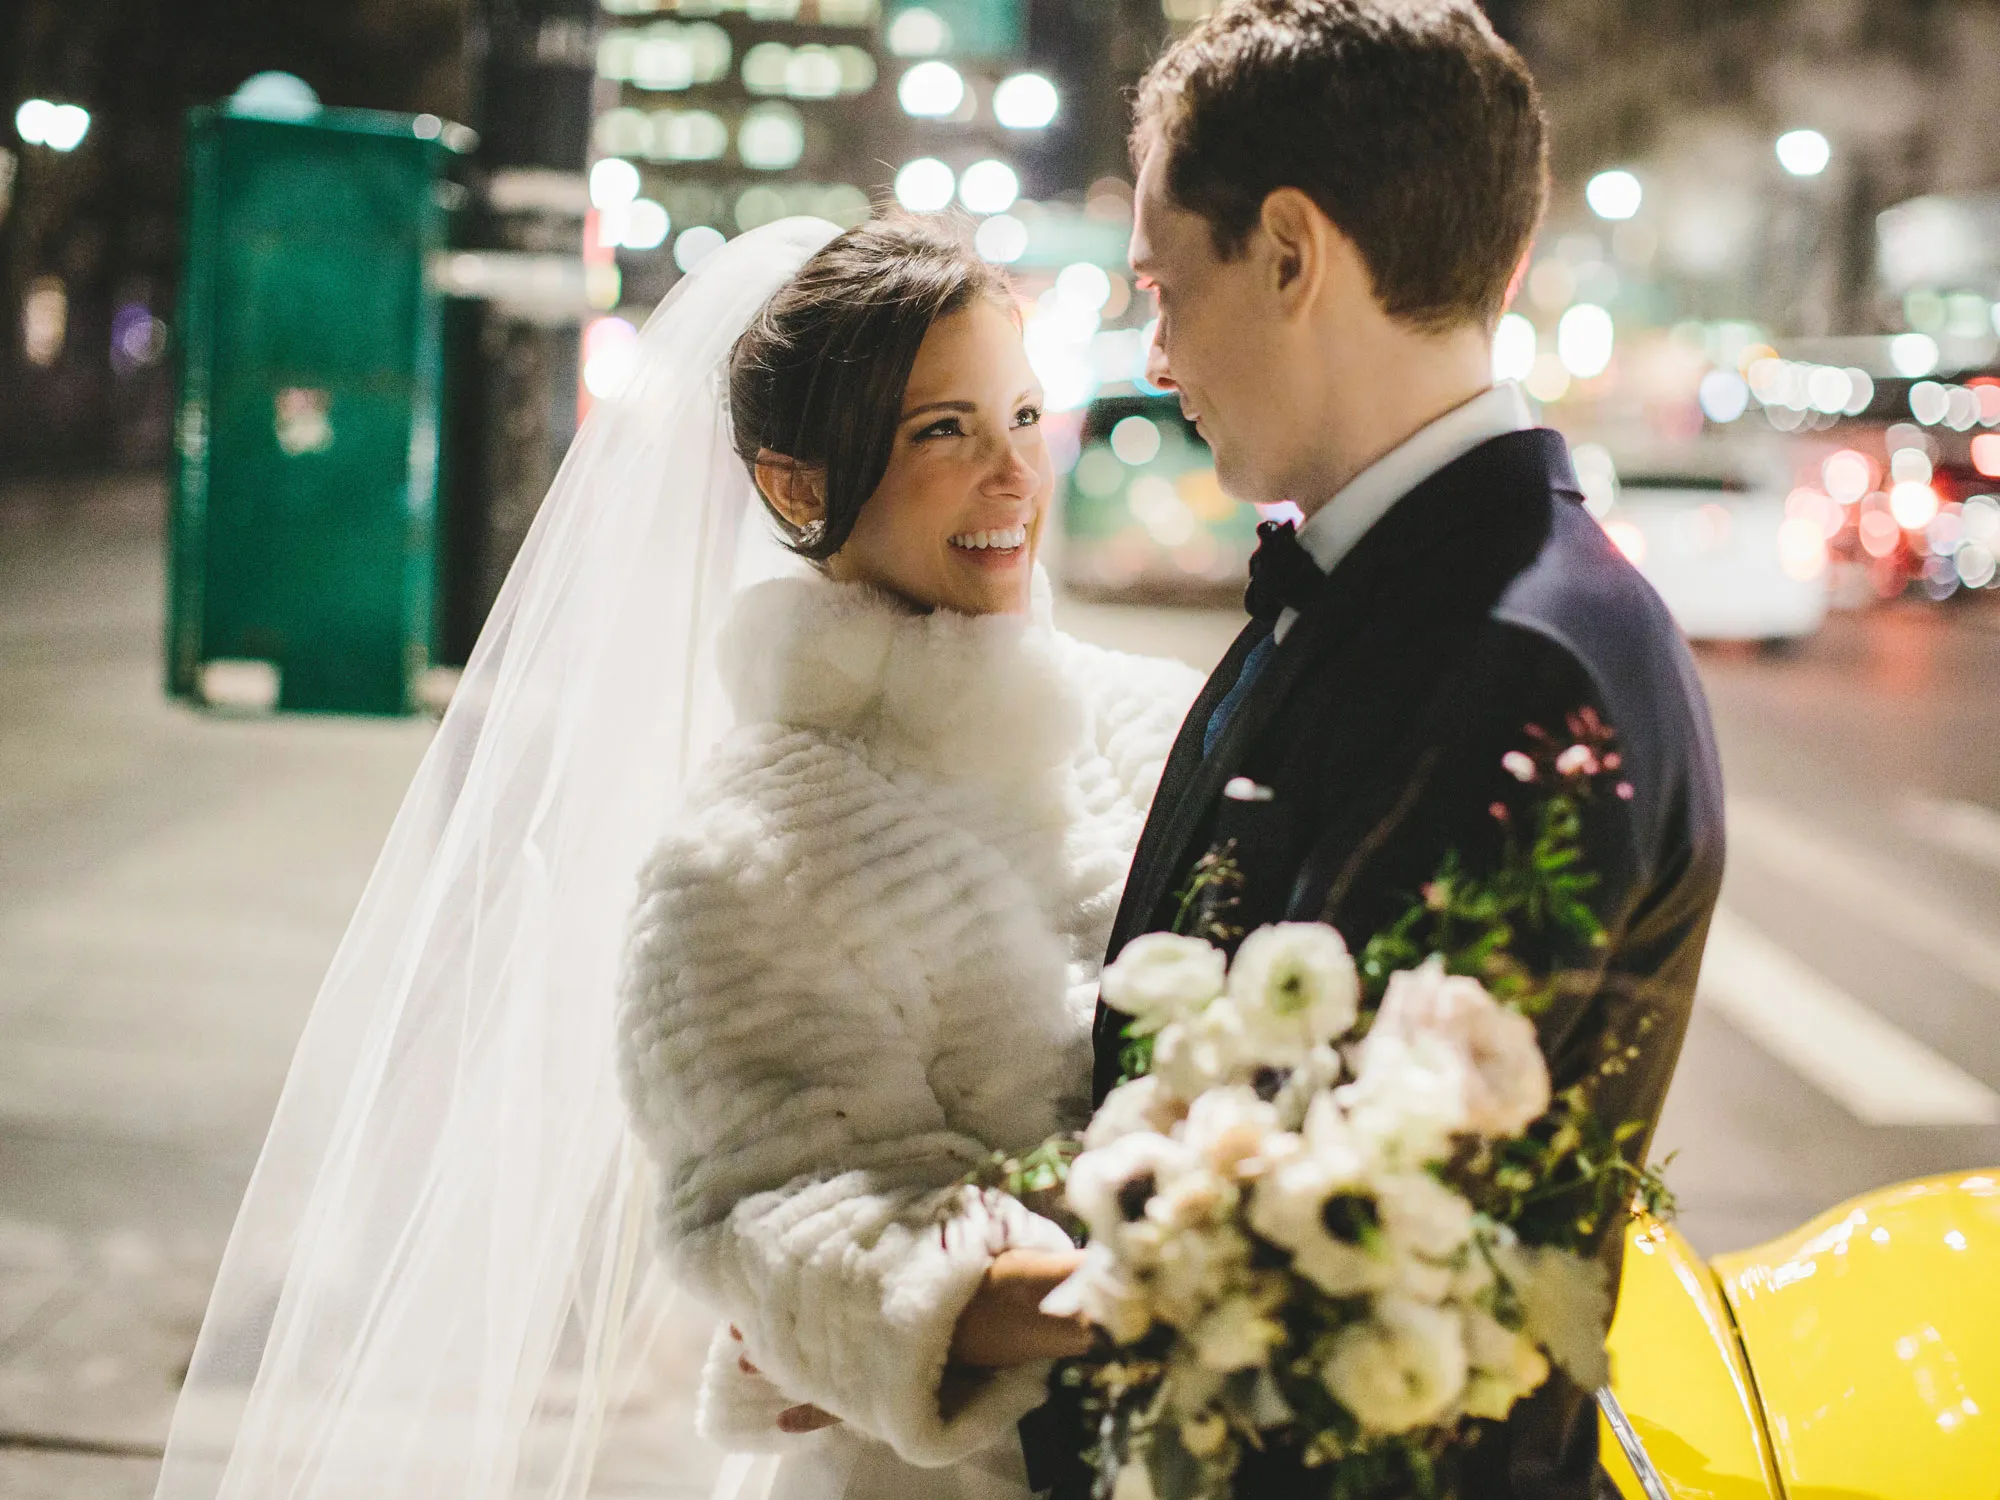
(952, 694)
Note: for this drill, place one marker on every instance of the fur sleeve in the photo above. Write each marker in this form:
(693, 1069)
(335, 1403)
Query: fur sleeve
(779, 1079)
(1137, 705)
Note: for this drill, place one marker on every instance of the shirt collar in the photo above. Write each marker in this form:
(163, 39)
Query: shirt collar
(1331, 532)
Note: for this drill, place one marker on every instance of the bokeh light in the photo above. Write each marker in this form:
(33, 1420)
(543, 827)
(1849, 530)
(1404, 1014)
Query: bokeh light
(1804, 153)
(1514, 348)
(1026, 101)
(1914, 355)
(1584, 340)
(1136, 440)
(1913, 504)
(1002, 239)
(1614, 195)
(919, 32)
(931, 90)
(925, 185)
(1724, 396)
(613, 183)
(1848, 476)
(695, 245)
(988, 187)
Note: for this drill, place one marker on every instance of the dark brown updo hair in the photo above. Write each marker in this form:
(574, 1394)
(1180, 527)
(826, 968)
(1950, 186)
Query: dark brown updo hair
(818, 377)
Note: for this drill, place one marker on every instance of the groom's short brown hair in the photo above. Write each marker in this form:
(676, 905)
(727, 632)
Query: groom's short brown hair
(1414, 128)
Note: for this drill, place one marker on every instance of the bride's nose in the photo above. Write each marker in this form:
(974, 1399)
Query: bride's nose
(1012, 475)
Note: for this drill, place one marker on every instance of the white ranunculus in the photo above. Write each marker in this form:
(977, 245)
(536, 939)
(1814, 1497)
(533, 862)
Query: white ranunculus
(1409, 1099)
(1101, 1291)
(1402, 1368)
(1238, 1333)
(1109, 1188)
(1296, 985)
(1505, 1365)
(1566, 1307)
(1311, 1204)
(1229, 1128)
(1508, 1084)
(1161, 976)
(1140, 1106)
(1204, 1051)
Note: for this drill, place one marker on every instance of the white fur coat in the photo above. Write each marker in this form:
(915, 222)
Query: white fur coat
(864, 958)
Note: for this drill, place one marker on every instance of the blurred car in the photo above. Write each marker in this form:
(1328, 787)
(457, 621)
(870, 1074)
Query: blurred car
(1731, 558)
(1141, 510)
(1857, 1358)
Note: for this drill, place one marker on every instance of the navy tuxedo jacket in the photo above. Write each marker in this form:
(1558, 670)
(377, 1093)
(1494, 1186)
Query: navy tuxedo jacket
(1487, 600)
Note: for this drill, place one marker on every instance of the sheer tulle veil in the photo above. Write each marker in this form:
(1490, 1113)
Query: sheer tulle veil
(441, 1267)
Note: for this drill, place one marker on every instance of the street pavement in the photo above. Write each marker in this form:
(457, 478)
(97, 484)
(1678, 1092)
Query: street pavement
(172, 884)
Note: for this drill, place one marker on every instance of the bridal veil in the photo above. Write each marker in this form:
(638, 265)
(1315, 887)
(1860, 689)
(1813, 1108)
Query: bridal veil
(441, 1271)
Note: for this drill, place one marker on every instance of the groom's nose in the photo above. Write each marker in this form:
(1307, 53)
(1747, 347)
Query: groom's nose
(1157, 372)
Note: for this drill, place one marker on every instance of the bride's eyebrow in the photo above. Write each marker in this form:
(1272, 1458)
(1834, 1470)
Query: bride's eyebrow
(966, 407)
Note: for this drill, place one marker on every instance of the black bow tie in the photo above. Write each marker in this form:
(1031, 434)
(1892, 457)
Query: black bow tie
(1282, 573)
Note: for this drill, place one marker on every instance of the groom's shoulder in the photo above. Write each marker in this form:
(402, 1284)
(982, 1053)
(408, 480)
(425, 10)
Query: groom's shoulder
(1582, 597)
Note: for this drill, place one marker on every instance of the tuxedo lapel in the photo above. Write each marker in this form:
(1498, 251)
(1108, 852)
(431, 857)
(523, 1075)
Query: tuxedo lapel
(1457, 507)
(1182, 771)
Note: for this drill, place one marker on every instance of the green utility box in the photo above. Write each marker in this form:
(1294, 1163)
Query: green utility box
(302, 549)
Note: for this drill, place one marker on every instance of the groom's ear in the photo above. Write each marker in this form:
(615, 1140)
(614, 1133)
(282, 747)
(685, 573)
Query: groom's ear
(795, 491)
(1298, 237)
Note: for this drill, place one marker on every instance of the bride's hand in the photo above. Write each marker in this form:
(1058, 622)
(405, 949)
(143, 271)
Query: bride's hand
(792, 1418)
(1004, 1323)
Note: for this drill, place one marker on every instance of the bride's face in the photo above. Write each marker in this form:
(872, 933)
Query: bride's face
(957, 519)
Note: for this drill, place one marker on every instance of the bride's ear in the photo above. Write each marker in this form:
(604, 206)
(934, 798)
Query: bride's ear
(795, 491)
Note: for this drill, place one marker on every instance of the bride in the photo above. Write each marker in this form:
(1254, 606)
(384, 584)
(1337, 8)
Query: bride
(865, 956)
(880, 812)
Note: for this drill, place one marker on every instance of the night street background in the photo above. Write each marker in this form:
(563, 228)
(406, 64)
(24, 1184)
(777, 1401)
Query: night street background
(171, 886)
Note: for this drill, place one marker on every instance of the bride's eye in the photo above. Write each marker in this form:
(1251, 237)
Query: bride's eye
(1028, 416)
(943, 427)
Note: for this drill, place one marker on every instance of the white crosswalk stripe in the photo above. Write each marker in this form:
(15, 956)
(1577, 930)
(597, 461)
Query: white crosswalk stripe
(1877, 1073)
(1965, 829)
(1925, 920)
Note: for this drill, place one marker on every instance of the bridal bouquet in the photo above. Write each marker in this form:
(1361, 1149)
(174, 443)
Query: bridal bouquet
(1335, 1218)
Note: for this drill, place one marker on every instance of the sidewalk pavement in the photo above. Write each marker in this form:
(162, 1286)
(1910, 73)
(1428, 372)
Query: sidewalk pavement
(171, 887)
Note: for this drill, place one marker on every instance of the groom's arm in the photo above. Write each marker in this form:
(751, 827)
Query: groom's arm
(1636, 846)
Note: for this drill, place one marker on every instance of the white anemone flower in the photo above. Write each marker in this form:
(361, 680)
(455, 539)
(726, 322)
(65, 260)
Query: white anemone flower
(1101, 1290)
(1140, 1106)
(1296, 985)
(1161, 977)
(1402, 1368)
(1204, 1051)
(1111, 1188)
(1507, 1077)
(1565, 1305)
(1317, 1204)
(1505, 1365)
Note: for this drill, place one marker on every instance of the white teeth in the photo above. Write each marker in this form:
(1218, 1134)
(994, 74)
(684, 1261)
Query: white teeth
(1004, 541)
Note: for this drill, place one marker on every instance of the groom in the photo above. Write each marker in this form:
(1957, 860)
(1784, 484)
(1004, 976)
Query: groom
(1333, 199)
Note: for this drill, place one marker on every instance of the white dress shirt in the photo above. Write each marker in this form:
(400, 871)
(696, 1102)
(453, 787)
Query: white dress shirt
(1330, 533)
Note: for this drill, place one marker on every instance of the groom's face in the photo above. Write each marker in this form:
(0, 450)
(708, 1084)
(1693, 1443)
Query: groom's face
(1223, 342)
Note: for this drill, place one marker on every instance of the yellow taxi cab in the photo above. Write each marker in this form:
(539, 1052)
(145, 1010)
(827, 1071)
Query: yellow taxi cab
(1857, 1358)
